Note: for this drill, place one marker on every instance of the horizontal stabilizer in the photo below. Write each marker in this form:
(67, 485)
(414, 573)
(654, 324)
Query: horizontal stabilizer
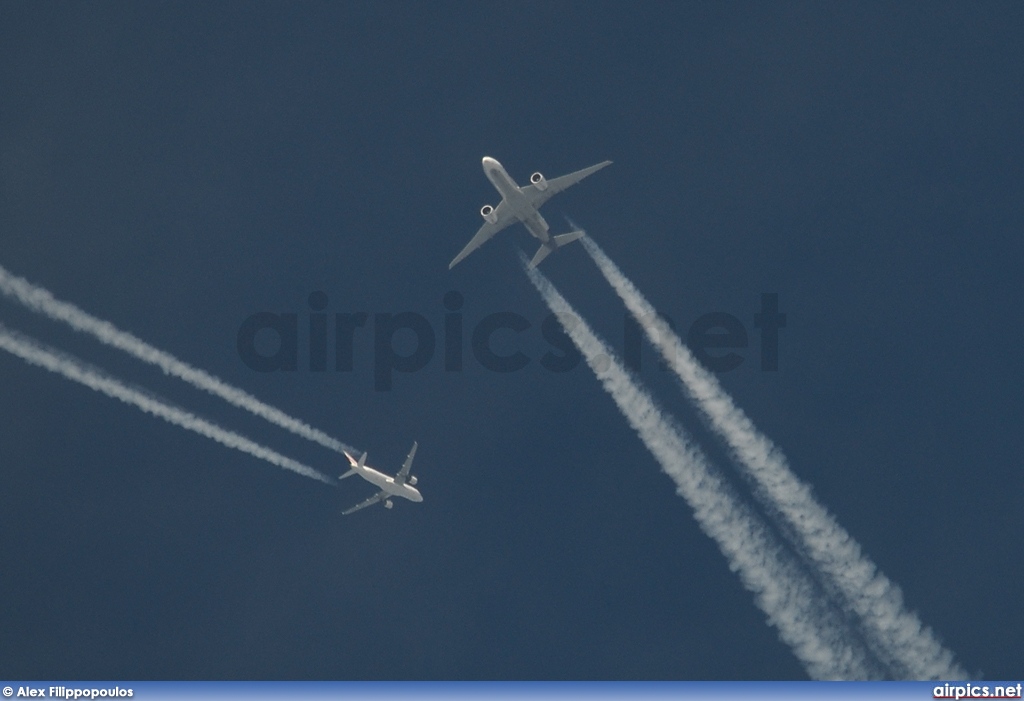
(543, 252)
(347, 474)
(563, 239)
(556, 242)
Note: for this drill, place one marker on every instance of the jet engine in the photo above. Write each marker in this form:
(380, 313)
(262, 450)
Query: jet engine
(412, 481)
(487, 212)
(388, 504)
(539, 182)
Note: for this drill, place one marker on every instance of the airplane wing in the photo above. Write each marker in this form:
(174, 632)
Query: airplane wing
(504, 218)
(403, 474)
(369, 502)
(538, 197)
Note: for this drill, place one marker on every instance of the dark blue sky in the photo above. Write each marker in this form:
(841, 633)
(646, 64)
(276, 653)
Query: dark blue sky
(176, 167)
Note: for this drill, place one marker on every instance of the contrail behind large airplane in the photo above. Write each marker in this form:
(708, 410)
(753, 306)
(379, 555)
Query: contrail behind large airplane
(817, 634)
(74, 369)
(897, 635)
(41, 301)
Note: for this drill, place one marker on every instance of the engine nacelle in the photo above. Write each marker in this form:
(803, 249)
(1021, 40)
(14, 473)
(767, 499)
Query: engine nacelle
(388, 504)
(412, 481)
(487, 212)
(539, 182)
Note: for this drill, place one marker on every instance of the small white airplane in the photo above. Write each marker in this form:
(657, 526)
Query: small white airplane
(401, 485)
(521, 204)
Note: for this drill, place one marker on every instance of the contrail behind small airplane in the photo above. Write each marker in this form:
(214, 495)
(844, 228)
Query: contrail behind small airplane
(897, 635)
(41, 301)
(77, 371)
(800, 612)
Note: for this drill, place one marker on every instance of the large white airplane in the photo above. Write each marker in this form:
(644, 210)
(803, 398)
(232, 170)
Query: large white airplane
(521, 204)
(401, 485)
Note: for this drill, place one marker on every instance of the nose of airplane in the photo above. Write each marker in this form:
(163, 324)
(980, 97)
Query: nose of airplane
(488, 161)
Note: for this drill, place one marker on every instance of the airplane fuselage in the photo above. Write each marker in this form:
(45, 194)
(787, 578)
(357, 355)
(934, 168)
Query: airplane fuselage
(516, 200)
(387, 483)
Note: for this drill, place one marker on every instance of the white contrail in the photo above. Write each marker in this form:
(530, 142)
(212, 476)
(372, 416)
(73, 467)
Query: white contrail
(781, 589)
(74, 369)
(40, 300)
(896, 634)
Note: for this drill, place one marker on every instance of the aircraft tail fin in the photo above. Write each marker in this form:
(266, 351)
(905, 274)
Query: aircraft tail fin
(356, 464)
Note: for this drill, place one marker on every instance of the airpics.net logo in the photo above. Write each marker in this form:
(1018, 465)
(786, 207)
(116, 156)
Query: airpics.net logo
(406, 342)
